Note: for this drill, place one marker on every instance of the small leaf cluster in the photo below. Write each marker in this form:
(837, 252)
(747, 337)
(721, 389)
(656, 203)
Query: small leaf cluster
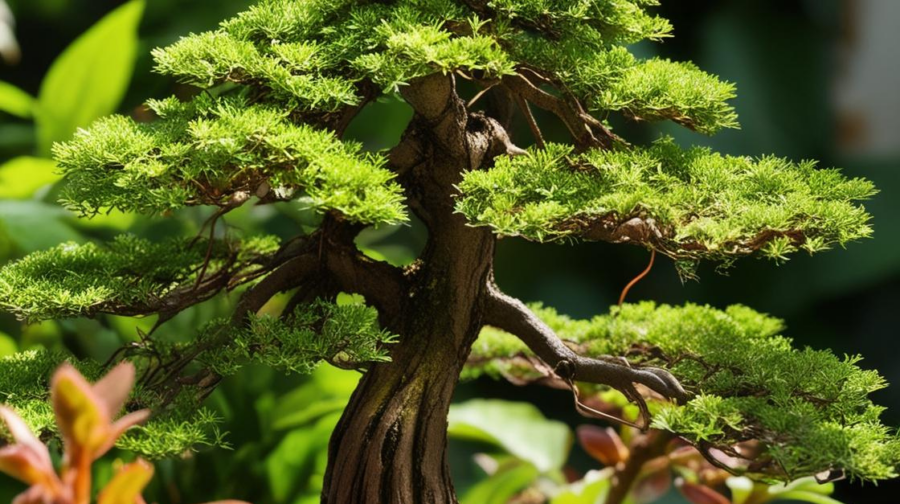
(810, 409)
(24, 385)
(221, 151)
(689, 204)
(345, 335)
(127, 275)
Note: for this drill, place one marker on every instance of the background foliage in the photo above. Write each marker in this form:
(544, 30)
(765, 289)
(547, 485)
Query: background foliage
(782, 54)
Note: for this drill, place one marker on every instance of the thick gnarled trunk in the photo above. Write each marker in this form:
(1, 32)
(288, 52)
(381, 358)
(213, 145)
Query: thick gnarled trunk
(390, 445)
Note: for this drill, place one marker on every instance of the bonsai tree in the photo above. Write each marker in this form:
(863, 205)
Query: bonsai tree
(278, 86)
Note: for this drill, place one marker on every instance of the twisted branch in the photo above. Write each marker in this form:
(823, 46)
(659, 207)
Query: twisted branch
(511, 315)
(586, 130)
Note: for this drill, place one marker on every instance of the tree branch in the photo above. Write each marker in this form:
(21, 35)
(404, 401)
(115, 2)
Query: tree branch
(287, 276)
(586, 129)
(643, 449)
(511, 315)
(383, 285)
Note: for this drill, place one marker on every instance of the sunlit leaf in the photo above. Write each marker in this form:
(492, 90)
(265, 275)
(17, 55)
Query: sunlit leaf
(127, 485)
(518, 428)
(90, 77)
(508, 481)
(22, 176)
(15, 101)
(8, 345)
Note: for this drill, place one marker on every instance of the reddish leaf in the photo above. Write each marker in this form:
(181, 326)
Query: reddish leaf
(604, 444)
(699, 494)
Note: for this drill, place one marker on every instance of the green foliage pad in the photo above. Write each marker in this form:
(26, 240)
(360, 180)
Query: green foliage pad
(129, 276)
(25, 386)
(689, 204)
(808, 408)
(221, 151)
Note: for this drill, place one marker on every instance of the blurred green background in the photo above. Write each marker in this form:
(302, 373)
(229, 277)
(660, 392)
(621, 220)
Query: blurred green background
(816, 79)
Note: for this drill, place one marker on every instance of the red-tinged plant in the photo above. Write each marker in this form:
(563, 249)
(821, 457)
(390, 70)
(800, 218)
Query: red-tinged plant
(84, 415)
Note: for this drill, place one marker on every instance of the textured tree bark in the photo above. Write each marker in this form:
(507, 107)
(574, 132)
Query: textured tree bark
(390, 445)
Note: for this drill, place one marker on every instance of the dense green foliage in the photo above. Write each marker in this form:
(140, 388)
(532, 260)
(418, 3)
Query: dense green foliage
(346, 335)
(689, 204)
(278, 85)
(221, 152)
(808, 408)
(128, 276)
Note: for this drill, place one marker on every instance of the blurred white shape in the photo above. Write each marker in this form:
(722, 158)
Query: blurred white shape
(868, 88)
(9, 47)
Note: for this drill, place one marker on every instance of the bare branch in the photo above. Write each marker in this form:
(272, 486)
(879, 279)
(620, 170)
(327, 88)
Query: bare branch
(287, 276)
(529, 118)
(383, 285)
(586, 129)
(511, 315)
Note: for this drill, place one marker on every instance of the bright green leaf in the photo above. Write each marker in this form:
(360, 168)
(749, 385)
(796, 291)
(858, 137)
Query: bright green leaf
(814, 498)
(33, 225)
(518, 428)
(8, 345)
(15, 101)
(593, 488)
(502, 485)
(90, 77)
(22, 176)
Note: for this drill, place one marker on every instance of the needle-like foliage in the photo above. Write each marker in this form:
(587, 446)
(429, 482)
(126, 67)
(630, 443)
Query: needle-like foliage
(222, 151)
(689, 204)
(809, 409)
(129, 276)
(275, 89)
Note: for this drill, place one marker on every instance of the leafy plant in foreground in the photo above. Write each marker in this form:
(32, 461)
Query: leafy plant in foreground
(84, 414)
(278, 86)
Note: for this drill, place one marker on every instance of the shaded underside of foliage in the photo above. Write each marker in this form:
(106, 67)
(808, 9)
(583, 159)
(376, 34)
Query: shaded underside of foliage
(809, 409)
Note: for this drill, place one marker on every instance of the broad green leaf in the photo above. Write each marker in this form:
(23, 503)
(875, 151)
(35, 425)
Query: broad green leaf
(113, 219)
(509, 480)
(8, 345)
(89, 79)
(15, 101)
(807, 484)
(518, 428)
(21, 177)
(592, 489)
(741, 488)
(801, 496)
(292, 463)
(33, 225)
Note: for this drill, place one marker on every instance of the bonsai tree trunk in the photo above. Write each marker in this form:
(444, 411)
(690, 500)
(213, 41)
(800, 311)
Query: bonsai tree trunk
(390, 445)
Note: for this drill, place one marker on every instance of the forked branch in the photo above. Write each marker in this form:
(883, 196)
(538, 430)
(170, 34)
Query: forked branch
(511, 315)
(585, 128)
